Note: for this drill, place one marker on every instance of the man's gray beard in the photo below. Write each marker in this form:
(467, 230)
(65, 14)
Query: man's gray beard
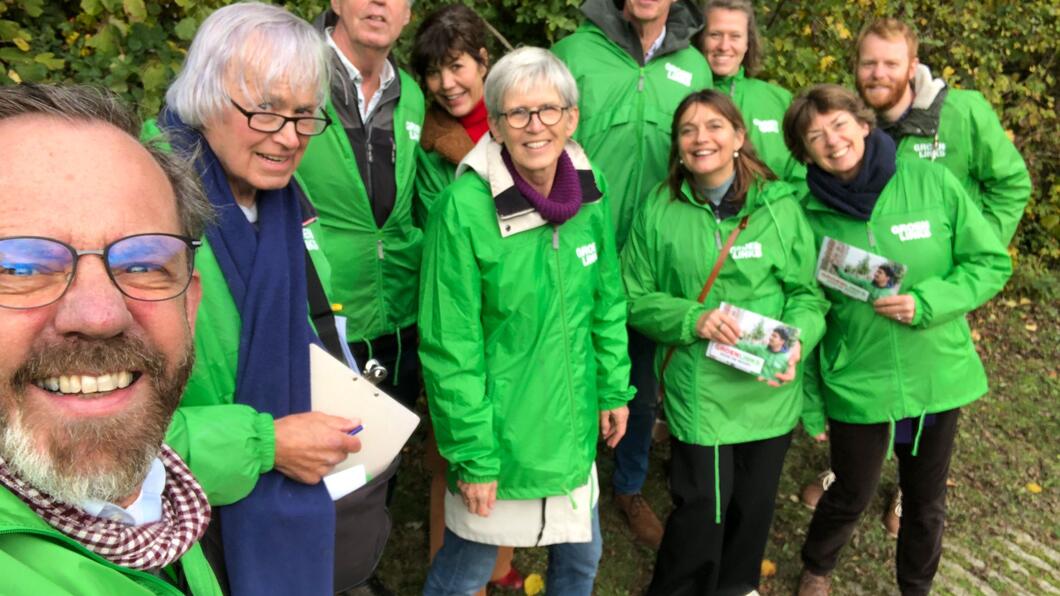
(104, 459)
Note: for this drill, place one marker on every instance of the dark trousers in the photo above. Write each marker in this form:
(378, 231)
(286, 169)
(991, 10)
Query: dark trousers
(699, 556)
(399, 356)
(397, 352)
(858, 451)
(631, 453)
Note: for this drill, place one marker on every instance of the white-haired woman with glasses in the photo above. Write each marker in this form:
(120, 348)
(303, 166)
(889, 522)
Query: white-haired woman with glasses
(523, 337)
(246, 103)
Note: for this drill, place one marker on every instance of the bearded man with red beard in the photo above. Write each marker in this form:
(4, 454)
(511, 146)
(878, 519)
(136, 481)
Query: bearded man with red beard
(97, 302)
(928, 119)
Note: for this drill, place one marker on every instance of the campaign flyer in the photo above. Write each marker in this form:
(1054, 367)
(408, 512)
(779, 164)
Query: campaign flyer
(857, 273)
(764, 348)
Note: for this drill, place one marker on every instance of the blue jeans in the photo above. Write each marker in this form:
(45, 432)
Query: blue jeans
(631, 454)
(463, 567)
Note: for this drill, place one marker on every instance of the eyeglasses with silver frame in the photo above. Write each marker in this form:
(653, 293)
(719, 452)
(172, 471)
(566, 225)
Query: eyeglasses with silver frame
(36, 271)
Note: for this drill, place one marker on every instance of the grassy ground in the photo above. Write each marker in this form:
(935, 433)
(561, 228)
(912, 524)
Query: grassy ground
(1007, 448)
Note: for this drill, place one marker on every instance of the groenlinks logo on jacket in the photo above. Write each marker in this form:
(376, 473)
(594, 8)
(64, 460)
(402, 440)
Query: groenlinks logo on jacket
(751, 250)
(678, 75)
(587, 254)
(912, 231)
(767, 126)
(414, 130)
(930, 150)
(309, 239)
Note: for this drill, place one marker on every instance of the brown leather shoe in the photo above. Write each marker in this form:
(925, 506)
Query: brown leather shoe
(892, 518)
(812, 492)
(642, 521)
(811, 584)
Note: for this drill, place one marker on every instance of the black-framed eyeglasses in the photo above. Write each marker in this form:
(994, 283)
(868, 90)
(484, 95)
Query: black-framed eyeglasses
(547, 114)
(36, 271)
(269, 122)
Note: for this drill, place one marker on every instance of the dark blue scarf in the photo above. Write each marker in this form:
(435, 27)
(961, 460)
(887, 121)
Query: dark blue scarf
(280, 539)
(858, 197)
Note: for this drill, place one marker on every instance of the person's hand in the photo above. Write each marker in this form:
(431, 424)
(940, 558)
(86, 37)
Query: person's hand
(309, 445)
(613, 425)
(480, 497)
(900, 308)
(718, 326)
(820, 438)
(794, 356)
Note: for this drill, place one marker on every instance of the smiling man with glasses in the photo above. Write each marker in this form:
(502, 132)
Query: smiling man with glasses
(97, 301)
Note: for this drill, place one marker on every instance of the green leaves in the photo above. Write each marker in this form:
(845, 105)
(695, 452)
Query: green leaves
(135, 9)
(1006, 50)
(185, 29)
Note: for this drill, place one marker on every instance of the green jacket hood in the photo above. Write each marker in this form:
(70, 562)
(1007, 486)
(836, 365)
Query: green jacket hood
(683, 22)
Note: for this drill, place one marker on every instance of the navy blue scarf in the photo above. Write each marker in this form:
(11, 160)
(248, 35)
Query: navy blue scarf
(280, 539)
(857, 198)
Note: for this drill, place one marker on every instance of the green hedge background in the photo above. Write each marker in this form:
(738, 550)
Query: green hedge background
(1007, 49)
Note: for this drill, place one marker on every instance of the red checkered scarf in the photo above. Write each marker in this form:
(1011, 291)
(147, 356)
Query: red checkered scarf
(185, 515)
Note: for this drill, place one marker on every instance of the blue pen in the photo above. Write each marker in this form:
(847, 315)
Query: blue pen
(359, 428)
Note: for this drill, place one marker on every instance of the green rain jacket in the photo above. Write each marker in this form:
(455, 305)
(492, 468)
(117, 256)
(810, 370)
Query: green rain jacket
(873, 369)
(434, 174)
(671, 250)
(226, 445)
(626, 107)
(522, 331)
(960, 130)
(763, 105)
(37, 559)
(443, 144)
(375, 270)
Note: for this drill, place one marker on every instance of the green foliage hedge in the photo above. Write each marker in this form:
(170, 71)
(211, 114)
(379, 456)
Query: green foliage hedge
(1007, 50)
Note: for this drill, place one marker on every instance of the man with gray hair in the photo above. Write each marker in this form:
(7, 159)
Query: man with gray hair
(360, 177)
(96, 351)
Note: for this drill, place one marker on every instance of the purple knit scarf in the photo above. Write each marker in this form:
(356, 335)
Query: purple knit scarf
(565, 198)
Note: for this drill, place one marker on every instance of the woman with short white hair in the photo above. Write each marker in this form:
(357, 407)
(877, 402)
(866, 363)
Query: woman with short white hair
(523, 340)
(246, 104)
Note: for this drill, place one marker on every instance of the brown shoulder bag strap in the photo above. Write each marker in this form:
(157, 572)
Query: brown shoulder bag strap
(703, 295)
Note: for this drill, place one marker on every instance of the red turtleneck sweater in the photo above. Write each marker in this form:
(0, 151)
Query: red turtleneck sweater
(475, 122)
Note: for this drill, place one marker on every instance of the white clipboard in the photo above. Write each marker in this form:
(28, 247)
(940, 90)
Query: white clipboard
(339, 391)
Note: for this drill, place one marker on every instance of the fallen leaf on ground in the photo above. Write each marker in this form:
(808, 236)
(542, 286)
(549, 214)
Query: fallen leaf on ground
(769, 568)
(1034, 488)
(533, 584)
(1032, 327)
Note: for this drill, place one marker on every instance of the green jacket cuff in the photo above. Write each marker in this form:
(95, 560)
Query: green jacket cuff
(476, 478)
(813, 424)
(265, 429)
(616, 399)
(688, 327)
